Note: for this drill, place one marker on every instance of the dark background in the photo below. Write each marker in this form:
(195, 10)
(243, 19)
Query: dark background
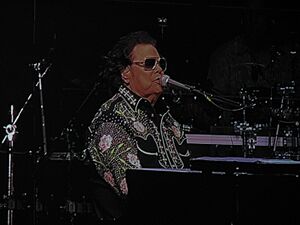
(73, 37)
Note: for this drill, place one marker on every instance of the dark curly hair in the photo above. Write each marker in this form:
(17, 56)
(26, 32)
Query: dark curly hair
(119, 56)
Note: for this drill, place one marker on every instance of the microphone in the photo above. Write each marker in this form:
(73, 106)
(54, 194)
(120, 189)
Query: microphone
(166, 80)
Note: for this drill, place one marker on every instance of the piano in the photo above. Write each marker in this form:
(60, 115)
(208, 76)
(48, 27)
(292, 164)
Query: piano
(220, 191)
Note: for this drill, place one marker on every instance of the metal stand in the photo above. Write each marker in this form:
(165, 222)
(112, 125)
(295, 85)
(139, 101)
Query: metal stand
(244, 138)
(162, 22)
(278, 126)
(10, 133)
(37, 67)
(246, 131)
(283, 112)
(270, 122)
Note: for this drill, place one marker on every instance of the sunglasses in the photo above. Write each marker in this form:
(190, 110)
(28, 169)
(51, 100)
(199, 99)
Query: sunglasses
(151, 63)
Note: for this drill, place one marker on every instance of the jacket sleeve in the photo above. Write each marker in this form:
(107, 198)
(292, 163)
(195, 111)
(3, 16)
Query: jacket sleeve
(113, 151)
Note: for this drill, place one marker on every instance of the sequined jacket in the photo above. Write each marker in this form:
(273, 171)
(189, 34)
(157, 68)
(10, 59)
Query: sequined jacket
(126, 132)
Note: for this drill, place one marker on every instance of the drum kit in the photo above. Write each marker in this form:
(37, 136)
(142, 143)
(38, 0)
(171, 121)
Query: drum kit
(276, 115)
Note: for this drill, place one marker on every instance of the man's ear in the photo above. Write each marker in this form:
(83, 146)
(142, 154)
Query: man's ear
(126, 75)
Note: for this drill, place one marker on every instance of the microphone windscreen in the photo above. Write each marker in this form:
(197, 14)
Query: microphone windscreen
(164, 80)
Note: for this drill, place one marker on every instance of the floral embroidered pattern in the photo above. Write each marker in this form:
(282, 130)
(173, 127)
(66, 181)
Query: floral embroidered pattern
(133, 160)
(176, 131)
(108, 177)
(123, 186)
(139, 126)
(105, 142)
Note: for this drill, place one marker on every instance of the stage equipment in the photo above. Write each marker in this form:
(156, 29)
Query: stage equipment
(286, 118)
(255, 104)
(225, 190)
(62, 185)
(10, 133)
(236, 140)
(11, 130)
(230, 105)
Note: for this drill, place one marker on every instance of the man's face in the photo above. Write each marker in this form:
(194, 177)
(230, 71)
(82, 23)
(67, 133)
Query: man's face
(144, 81)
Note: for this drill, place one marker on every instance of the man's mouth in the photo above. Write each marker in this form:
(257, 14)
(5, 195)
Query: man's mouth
(157, 80)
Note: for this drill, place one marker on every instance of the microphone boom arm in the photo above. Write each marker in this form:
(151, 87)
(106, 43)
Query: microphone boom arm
(166, 80)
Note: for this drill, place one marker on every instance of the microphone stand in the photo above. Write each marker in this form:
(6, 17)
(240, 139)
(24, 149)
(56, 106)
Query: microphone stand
(210, 97)
(10, 133)
(166, 80)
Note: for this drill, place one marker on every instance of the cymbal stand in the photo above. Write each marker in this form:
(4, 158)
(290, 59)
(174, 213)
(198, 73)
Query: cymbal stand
(244, 138)
(162, 22)
(282, 112)
(278, 123)
(276, 137)
(37, 67)
(246, 131)
(270, 119)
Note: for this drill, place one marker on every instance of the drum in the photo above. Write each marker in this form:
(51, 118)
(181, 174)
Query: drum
(62, 190)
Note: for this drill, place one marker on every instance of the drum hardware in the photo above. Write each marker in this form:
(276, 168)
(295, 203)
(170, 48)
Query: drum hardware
(57, 208)
(291, 144)
(287, 89)
(67, 156)
(65, 211)
(249, 137)
(162, 22)
(244, 127)
(38, 206)
(77, 207)
(283, 112)
(69, 144)
(61, 189)
(288, 137)
(20, 202)
(247, 132)
(248, 101)
(187, 127)
(3, 205)
(283, 115)
(73, 134)
(13, 203)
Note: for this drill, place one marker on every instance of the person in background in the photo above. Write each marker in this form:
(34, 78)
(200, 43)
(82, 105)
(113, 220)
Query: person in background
(130, 130)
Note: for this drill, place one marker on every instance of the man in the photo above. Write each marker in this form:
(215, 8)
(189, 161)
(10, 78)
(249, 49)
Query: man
(127, 131)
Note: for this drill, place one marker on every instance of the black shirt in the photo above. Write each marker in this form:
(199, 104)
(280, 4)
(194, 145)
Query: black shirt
(127, 132)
